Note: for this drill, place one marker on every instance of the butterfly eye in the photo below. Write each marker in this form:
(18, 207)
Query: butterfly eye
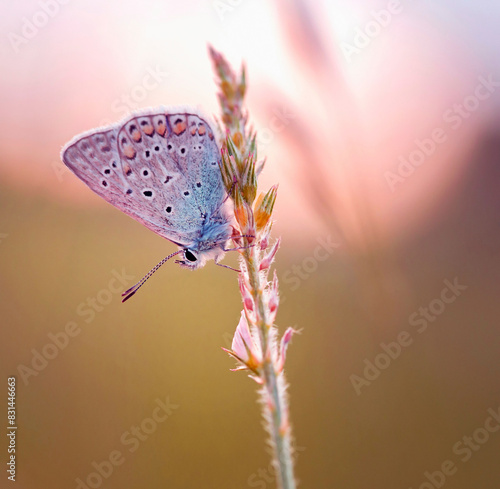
(190, 256)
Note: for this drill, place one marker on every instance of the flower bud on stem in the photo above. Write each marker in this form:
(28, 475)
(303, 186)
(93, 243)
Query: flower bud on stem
(255, 345)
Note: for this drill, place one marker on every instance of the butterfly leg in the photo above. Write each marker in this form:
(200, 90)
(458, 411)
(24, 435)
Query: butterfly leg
(243, 236)
(237, 249)
(226, 266)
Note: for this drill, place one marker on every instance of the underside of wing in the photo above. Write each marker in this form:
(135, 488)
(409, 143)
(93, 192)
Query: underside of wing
(158, 167)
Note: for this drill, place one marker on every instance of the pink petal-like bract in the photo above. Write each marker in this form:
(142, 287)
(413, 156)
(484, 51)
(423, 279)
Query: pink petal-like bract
(243, 344)
(268, 259)
(286, 338)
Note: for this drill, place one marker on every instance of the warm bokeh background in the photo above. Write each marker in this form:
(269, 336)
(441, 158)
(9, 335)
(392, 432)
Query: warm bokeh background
(335, 116)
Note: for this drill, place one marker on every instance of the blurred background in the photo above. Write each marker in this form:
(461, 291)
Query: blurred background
(380, 122)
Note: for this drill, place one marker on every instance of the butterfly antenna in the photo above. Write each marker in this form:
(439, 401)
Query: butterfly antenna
(130, 292)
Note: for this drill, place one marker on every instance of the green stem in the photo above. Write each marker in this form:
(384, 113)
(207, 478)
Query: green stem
(274, 388)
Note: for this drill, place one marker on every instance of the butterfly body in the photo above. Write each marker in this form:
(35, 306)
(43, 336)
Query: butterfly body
(161, 167)
(208, 246)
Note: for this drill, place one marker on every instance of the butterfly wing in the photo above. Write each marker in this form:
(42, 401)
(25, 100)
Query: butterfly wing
(160, 167)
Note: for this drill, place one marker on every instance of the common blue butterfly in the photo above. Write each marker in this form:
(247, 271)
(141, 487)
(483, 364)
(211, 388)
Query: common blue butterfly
(160, 167)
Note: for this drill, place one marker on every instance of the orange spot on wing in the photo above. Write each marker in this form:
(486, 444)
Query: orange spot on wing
(160, 128)
(179, 128)
(193, 131)
(136, 135)
(129, 152)
(201, 130)
(149, 129)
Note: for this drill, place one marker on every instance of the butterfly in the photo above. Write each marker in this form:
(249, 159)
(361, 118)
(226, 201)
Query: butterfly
(160, 167)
